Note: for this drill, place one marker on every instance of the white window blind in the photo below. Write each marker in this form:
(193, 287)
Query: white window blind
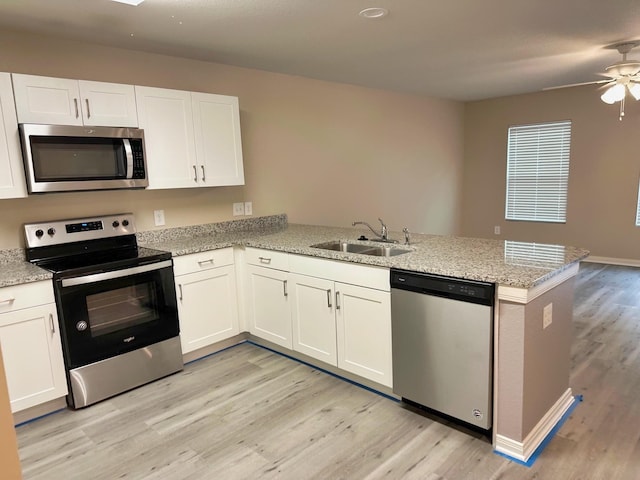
(638, 209)
(538, 172)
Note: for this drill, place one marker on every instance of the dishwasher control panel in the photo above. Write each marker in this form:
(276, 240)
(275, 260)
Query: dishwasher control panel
(457, 289)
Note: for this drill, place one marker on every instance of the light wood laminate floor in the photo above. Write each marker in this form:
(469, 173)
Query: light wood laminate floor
(249, 413)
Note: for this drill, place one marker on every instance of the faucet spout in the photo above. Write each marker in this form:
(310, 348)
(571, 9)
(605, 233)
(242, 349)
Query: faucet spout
(383, 235)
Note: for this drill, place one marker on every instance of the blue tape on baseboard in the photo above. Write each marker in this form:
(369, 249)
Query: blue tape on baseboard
(576, 399)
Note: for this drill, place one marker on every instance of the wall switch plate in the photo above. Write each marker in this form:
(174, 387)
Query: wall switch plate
(158, 217)
(238, 209)
(496, 230)
(547, 316)
(248, 208)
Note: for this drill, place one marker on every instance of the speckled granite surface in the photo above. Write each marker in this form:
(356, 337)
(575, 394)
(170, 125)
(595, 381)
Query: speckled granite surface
(14, 270)
(515, 264)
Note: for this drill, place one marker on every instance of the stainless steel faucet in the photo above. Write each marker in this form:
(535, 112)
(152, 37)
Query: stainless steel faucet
(383, 232)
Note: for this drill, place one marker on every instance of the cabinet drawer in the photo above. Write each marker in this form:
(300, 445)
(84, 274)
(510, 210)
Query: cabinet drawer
(197, 262)
(267, 258)
(17, 297)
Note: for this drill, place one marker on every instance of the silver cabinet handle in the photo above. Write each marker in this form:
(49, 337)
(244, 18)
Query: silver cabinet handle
(8, 300)
(266, 260)
(88, 111)
(195, 174)
(208, 260)
(75, 102)
(284, 287)
(329, 298)
(337, 300)
(51, 322)
(203, 177)
(180, 288)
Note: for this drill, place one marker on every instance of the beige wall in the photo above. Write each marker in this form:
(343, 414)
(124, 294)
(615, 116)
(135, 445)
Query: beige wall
(325, 153)
(533, 364)
(603, 177)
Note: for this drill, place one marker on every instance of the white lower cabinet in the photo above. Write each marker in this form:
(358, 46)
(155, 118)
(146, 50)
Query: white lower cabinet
(207, 298)
(31, 348)
(314, 319)
(363, 320)
(268, 309)
(336, 312)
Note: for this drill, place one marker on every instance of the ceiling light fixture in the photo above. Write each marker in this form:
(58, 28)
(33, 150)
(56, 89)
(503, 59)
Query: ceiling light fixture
(374, 12)
(134, 3)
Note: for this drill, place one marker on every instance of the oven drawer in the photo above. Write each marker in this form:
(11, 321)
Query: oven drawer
(267, 258)
(17, 297)
(197, 262)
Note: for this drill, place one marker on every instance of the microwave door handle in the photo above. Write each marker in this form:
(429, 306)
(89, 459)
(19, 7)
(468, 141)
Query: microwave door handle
(129, 154)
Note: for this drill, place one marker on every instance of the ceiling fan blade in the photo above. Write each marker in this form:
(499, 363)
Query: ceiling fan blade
(595, 82)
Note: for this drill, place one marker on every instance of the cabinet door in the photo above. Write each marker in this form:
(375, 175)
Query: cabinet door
(167, 119)
(12, 182)
(268, 309)
(32, 356)
(313, 317)
(108, 104)
(207, 307)
(363, 318)
(216, 121)
(47, 100)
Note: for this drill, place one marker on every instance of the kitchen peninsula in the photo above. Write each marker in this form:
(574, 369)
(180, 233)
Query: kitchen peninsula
(532, 316)
(532, 319)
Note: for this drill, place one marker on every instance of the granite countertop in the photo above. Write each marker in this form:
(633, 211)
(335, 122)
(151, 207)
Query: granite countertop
(15, 270)
(514, 264)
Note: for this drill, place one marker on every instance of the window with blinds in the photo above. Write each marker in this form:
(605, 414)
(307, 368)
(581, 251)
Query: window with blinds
(638, 209)
(538, 172)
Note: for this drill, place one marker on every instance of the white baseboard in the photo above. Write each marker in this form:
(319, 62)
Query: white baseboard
(628, 262)
(523, 450)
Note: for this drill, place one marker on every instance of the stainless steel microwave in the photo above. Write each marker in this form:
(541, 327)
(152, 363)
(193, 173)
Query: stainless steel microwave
(65, 158)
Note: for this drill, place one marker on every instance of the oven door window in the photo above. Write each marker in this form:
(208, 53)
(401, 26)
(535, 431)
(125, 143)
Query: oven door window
(105, 318)
(122, 308)
(64, 159)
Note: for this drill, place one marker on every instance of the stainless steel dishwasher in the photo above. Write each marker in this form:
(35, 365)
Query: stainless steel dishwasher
(442, 337)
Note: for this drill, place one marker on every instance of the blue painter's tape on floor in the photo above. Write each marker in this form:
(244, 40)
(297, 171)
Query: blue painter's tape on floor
(577, 399)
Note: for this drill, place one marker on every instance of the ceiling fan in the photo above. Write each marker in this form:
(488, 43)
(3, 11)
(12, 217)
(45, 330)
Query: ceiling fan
(623, 76)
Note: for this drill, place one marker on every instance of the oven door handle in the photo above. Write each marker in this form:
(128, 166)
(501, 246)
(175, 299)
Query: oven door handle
(99, 277)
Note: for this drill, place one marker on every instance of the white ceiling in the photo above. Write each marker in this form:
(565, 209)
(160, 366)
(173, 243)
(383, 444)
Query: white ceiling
(457, 49)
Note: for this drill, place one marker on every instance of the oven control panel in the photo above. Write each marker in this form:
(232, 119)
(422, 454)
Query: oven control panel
(58, 232)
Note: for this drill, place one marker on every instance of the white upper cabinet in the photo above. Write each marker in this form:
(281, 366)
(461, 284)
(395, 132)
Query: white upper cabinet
(63, 101)
(167, 120)
(192, 139)
(216, 120)
(12, 183)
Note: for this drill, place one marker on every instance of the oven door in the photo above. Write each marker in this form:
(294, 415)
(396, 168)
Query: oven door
(108, 313)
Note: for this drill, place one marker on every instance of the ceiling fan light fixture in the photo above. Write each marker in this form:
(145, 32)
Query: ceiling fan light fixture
(614, 94)
(634, 89)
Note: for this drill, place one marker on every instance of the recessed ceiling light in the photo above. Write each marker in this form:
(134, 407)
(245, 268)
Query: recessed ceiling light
(135, 3)
(374, 12)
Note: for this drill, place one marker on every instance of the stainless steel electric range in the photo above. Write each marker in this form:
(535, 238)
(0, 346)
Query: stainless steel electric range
(116, 304)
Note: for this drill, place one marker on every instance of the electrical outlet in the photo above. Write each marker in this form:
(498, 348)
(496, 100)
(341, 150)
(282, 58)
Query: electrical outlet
(158, 217)
(547, 316)
(238, 209)
(248, 208)
(496, 230)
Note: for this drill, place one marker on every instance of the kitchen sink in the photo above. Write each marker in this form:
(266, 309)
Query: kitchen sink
(376, 251)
